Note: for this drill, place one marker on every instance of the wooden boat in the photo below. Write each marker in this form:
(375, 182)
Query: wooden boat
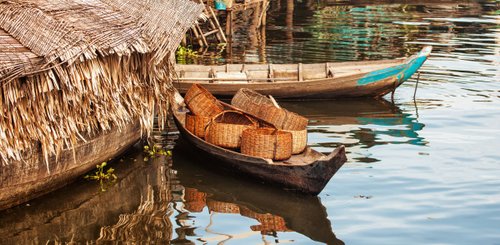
(307, 172)
(304, 81)
(25, 180)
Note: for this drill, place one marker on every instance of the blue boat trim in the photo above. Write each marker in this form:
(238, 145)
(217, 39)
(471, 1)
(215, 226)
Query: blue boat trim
(378, 75)
(402, 72)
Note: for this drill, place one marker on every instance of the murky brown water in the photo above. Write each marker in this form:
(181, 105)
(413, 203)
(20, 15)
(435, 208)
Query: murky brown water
(423, 171)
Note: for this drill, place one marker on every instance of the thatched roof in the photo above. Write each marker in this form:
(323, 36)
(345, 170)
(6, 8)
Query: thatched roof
(70, 68)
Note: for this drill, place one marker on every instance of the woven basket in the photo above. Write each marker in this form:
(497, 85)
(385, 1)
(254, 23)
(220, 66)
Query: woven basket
(262, 107)
(192, 194)
(194, 206)
(197, 124)
(223, 207)
(299, 140)
(267, 143)
(195, 200)
(225, 129)
(201, 102)
(247, 212)
(269, 223)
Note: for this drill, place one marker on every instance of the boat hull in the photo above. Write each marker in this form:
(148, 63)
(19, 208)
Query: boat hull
(321, 89)
(346, 79)
(25, 180)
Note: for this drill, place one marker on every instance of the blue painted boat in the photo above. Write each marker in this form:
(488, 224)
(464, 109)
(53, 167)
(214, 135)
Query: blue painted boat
(304, 81)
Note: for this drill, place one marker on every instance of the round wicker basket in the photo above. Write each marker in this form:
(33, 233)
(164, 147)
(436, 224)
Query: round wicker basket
(194, 206)
(299, 140)
(192, 194)
(223, 207)
(267, 143)
(262, 107)
(201, 102)
(195, 200)
(225, 129)
(197, 124)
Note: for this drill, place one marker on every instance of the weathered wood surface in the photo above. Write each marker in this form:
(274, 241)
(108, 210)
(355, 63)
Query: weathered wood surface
(25, 180)
(304, 81)
(307, 172)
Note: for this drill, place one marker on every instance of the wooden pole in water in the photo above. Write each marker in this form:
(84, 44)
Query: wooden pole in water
(394, 90)
(229, 33)
(229, 23)
(416, 86)
(289, 20)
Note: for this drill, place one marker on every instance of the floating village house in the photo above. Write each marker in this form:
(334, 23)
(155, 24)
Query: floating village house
(80, 81)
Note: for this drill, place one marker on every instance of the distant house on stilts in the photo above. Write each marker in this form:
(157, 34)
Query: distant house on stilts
(80, 82)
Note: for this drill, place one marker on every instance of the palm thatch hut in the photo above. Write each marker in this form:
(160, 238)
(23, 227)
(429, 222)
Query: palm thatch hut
(81, 80)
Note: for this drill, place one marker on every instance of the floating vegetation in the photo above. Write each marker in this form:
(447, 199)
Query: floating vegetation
(155, 151)
(104, 177)
(183, 54)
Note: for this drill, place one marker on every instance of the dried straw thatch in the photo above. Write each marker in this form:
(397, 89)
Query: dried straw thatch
(73, 68)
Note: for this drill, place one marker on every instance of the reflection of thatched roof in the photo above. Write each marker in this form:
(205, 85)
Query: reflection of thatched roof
(69, 68)
(150, 223)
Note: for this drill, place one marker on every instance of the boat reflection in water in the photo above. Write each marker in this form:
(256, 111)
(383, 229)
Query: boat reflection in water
(358, 124)
(275, 211)
(151, 202)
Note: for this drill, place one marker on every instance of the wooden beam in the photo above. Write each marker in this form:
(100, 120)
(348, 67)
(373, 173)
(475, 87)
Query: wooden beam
(300, 72)
(230, 79)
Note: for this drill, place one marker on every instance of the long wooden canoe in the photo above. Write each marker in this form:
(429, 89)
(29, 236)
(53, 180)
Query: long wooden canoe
(24, 180)
(307, 172)
(304, 81)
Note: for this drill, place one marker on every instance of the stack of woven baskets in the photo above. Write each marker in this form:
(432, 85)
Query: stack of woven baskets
(209, 120)
(256, 125)
(288, 125)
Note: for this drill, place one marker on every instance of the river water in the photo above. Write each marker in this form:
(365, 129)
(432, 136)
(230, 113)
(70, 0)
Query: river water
(423, 170)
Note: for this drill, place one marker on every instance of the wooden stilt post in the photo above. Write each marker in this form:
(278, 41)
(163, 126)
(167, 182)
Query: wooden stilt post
(215, 25)
(197, 35)
(263, 15)
(229, 23)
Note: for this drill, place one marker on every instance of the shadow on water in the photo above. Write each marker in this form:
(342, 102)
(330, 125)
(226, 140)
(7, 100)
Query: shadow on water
(276, 210)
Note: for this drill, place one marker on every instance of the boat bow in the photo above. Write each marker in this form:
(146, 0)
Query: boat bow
(400, 73)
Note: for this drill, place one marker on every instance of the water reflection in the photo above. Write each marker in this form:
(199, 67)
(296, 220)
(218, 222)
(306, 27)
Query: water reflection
(318, 31)
(154, 202)
(358, 124)
(130, 210)
(274, 213)
(445, 191)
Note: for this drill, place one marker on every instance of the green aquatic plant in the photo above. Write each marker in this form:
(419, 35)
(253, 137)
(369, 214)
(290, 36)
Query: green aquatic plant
(155, 151)
(185, 53)
(103, 176)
